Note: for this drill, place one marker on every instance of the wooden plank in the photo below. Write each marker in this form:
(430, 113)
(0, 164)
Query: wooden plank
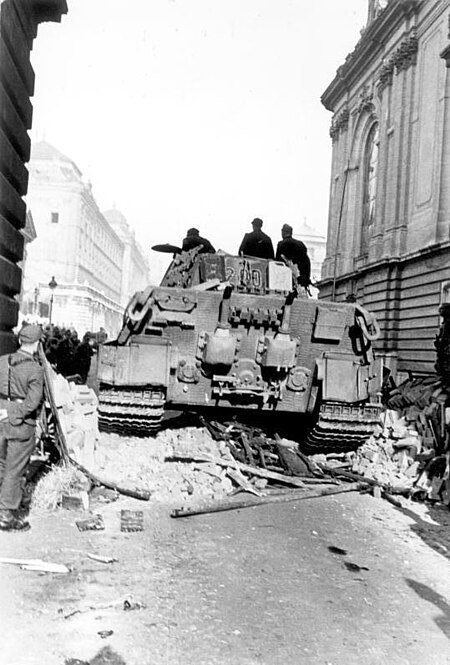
(295, 495)
(12, 206)
(13, 126)
(9, 309)
(234, 464)
(15, 86)
(11, 241)
(11, 276)
(12, 166)
(11, 30)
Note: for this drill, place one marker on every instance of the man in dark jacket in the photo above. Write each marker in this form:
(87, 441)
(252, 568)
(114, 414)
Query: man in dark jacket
(194, 239)
(291, 249)
(257, 243)
(21, 396)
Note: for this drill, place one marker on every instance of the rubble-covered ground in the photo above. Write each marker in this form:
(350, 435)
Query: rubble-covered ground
(340, 580)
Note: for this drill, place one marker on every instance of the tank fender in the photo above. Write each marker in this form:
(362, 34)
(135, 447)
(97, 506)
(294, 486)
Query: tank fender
(347, 379)
(136, 364)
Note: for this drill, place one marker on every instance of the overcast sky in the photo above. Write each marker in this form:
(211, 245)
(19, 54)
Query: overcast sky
(199, 113)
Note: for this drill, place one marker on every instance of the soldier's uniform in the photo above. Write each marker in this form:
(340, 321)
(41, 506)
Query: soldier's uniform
(21, 396)
(257, 243)
(194, 239)
(294, 250)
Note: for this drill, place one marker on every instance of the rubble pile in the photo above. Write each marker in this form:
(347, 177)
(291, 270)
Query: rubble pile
(409, 451)
(77, 414)
(144, 462)
(407, 454)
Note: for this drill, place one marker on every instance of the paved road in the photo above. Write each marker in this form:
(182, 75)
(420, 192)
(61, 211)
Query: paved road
(249, 587)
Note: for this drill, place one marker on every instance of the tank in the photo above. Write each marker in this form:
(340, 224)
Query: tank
(237, 333)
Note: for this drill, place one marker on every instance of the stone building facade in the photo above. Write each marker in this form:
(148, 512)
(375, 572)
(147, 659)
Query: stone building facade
(389, 212)
(92, 262)
(19, 21)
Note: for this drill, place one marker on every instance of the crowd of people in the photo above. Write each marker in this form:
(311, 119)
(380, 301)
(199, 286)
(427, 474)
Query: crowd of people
(258, 244)
(69, 355)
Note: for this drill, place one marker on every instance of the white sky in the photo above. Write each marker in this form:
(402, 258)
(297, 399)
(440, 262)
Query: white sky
(199, 113)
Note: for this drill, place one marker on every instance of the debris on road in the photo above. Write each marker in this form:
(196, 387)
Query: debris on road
(293, 495)
(102, 559)
(36, 565)
(131, 520)
(126, 605)
(94, 523)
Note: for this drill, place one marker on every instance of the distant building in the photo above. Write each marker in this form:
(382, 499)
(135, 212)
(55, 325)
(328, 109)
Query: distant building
(389, 215)
(135, 267)
(316, 245)
(91, 262)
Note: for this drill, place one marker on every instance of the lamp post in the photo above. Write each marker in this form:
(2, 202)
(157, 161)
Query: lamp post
(52, 285)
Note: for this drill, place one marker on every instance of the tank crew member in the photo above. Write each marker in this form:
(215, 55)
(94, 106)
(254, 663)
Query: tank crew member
(194, 239)
(294, 250)
(21, 395)
(257, 243)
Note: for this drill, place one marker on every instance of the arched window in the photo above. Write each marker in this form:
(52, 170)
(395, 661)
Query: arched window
(370, 187)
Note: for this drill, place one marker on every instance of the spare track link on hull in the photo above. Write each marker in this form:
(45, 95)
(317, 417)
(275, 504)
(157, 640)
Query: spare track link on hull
(341, 427)
(130, 412)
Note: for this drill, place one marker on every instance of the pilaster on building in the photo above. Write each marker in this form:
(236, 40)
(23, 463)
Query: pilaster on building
(389, 216)
(98, 265)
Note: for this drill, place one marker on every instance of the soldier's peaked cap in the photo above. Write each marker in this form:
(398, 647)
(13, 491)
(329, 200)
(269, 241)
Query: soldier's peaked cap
(287, 227)
(257, 222)
(31, 333)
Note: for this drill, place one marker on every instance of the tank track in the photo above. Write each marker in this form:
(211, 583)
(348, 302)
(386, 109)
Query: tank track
(132, 412)
(341, 427)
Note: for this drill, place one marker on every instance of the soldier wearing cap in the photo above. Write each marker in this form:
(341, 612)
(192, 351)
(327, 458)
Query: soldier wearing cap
(194, 239)
(257, 243)
(21, 396)
(291, 249)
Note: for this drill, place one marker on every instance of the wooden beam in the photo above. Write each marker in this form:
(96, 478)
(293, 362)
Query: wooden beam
(295, 495)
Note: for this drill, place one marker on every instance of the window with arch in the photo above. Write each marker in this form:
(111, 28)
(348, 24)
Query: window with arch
(370, 178)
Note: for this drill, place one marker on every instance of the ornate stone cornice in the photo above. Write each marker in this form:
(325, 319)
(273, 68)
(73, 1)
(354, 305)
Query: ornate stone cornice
(340, 123)
(370, 48)
(365, 102)
(402, 58)
(406, 54)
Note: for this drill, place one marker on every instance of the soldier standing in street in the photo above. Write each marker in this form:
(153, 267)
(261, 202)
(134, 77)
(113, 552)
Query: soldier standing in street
(21, 395)
(257, 243)
(291, 249)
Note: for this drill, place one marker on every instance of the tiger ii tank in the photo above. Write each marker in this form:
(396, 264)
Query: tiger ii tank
(238, 333)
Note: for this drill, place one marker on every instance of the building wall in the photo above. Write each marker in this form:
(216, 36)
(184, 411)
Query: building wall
(19, 20)
(396, 259)
(98, 266)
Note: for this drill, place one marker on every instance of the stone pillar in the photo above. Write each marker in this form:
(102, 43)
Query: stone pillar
(443, 218)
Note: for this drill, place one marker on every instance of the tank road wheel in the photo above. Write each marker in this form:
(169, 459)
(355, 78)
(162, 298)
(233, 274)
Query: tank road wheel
(130, 411)
(341, 427)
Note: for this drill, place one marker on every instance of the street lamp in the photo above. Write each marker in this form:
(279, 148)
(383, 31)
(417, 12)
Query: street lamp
(52, 285)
